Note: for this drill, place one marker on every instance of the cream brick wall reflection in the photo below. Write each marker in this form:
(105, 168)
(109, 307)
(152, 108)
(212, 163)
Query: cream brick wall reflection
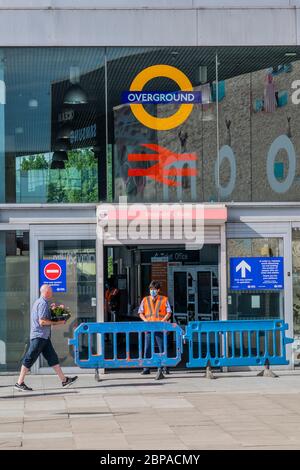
(250, 137)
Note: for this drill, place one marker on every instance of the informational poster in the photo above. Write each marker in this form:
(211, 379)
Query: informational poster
(255, 301)
(256, 273)
(159, 272)
(54, 273)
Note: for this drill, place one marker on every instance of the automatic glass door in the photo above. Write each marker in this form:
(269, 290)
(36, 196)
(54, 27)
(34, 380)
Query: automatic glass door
(194, 293)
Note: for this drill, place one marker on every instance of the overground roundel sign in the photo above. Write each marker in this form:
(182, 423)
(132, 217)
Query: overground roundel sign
(52, 271)
(164, 123)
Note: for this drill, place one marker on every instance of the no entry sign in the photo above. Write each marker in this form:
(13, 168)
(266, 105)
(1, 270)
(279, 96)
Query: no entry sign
(53, 273)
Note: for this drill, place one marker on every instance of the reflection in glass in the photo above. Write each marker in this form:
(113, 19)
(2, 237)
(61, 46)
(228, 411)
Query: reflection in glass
(254, 304)
(14, 298)
(81, 289)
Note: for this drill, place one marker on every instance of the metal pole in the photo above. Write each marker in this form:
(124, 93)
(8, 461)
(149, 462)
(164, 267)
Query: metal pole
(2, 125)
(217, 119)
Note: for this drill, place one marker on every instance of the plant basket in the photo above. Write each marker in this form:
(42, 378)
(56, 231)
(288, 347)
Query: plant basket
(64, 316)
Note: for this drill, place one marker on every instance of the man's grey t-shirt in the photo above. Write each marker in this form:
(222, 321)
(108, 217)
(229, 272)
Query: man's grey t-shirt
(40, 310)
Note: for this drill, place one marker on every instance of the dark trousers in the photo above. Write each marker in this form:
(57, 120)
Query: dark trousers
(40, 346)
(158, 339)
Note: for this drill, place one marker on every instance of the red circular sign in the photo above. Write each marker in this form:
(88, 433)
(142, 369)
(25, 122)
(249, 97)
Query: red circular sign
(52, 271)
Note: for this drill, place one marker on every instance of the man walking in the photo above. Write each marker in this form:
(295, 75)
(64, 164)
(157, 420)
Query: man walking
(40, 342)
(154, 307)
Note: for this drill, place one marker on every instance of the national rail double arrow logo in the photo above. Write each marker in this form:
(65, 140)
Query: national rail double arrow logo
(160, 171)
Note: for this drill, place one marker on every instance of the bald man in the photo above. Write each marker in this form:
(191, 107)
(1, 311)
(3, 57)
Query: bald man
(40, 342)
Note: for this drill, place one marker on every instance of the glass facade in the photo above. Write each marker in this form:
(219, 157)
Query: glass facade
(254, 304)
(52, 124)
(15, 301)
(67, 134)
(296, 293)
(80, 295)
(91, 124)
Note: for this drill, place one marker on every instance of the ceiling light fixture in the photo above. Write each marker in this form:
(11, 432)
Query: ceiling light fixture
(57, 165)
(64, 132)
(202, 71)
(59, 158)
(33, 103)
(75, 94)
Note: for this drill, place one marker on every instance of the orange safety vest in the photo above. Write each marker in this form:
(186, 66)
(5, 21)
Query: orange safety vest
(109, 294)
(155, 311)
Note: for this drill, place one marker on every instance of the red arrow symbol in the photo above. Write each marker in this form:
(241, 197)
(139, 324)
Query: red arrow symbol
(158, 171)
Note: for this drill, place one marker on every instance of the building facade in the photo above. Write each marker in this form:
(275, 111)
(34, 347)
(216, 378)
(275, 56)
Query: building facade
(75, 148)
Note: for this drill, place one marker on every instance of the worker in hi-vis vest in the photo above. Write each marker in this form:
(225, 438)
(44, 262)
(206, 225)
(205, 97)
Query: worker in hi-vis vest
(154, 307)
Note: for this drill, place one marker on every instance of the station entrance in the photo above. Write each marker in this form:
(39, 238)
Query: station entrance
(189, 278)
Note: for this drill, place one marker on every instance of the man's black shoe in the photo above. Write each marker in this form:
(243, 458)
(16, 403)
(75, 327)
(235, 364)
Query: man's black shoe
(69, 381)
(159, 374)
(166, 370)
(22, 388)
(145, 372)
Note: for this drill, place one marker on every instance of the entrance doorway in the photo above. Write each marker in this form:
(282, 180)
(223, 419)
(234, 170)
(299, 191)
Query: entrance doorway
(189, 278)
(194, 293)
(76, 244)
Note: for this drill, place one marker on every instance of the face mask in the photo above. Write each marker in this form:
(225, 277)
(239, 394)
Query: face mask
(153, 292)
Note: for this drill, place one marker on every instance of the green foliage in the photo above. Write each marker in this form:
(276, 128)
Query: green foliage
(78, 181)
(34, 162)
(110, 266)
(109, 174)
(296, 309)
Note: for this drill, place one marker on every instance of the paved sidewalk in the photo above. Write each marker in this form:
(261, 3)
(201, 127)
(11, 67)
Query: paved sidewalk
(129, 411)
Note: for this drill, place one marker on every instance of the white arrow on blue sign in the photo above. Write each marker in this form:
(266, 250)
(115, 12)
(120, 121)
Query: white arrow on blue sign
(256, 273)
(243, 267)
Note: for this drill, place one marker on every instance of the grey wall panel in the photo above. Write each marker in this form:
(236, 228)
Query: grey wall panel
(146, 4)
(59, 212)
(276, 213)
(247, 27)
(21, 28)
(129, 27)
(146, 26)
(255, 229)
(98, 28)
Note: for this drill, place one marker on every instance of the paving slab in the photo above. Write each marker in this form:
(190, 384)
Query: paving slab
(51, 444)
(115, 441)
(128, 411)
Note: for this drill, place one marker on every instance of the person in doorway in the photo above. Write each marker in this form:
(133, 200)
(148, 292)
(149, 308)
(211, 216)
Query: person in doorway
(112, 300)
(155, 307)
(40, 342)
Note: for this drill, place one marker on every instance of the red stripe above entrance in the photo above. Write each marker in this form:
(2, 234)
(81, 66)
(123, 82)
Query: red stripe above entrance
(183, 212)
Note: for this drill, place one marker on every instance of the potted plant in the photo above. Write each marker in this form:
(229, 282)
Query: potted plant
(59, 312)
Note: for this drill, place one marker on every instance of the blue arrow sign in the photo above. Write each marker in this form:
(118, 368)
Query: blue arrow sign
(256, 273)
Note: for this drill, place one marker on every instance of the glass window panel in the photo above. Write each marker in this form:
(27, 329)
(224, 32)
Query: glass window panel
(245, 304)
(80, 296)
(296, 293)
(53, 122)
(258, 116)
(15, 301)
(155, 164)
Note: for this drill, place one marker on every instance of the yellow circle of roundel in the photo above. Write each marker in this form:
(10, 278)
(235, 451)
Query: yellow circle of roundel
(167, 123)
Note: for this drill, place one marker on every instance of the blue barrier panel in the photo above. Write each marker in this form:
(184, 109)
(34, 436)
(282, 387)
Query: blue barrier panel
(236, 343)
(91, 348)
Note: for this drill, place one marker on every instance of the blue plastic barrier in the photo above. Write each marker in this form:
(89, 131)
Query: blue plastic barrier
(237, 343)
(91, 350)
